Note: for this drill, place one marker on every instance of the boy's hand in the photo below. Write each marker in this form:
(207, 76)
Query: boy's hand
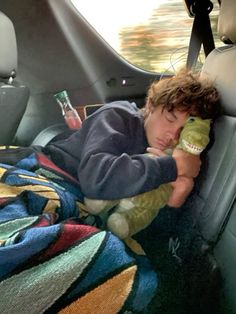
(187, 164)
(181, 189)
(155, 151)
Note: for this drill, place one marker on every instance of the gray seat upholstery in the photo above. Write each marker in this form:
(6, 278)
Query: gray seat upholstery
(49, 134)
(215, 201)
(218, 188)
(13, 96)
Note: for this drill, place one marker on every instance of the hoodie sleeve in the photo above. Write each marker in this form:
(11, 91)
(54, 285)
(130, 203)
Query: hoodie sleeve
(112, 163)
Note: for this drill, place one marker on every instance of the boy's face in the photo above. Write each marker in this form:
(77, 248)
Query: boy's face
(163, 127)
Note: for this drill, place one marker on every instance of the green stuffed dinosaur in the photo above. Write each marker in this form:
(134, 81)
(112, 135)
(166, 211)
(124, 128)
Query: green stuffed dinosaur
(130, 215)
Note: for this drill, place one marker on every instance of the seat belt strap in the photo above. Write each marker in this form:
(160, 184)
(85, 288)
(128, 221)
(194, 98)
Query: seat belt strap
(201, 34)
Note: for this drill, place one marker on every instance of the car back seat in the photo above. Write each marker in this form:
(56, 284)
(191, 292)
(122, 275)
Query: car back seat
(218, 190)
(218, 219)
(201, 257)
(207, 228)
(13, 96)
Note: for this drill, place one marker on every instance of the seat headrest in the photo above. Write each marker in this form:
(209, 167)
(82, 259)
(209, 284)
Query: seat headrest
(8, 50)
(227, 21)
(219, 67)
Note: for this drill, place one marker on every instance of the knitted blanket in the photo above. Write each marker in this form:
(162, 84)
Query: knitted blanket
(51, 261)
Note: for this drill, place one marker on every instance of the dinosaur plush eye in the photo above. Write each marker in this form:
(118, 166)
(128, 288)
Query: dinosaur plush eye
(191, 119)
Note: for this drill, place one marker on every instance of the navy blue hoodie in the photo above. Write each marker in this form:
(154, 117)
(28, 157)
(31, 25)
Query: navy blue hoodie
(107, 154)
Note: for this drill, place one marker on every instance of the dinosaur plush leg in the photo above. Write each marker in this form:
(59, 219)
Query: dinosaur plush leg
(125, 224)
(117, 224)
(95, 207)
(136, 213)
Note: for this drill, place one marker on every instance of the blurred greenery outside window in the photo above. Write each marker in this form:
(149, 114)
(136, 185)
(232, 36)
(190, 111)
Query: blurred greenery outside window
(150, 34)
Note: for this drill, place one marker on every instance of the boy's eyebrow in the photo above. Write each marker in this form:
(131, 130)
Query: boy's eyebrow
(173, 114)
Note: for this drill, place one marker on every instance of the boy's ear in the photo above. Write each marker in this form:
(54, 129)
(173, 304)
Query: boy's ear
(150, 106)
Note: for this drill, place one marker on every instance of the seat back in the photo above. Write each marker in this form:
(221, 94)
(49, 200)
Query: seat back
(213, 207)
(218, 218)
(218, 182)
(13, 96)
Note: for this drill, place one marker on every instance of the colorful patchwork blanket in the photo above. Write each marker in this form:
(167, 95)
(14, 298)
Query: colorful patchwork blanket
(51, 259)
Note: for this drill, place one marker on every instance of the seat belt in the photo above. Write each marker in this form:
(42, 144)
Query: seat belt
(201, 32)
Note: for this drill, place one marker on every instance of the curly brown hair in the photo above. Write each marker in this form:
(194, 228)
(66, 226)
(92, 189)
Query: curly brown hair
(185, 91)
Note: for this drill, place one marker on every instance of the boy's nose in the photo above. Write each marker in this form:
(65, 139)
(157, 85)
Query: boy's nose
(174, 134)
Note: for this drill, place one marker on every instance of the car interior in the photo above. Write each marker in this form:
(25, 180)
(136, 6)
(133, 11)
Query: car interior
(14, 96)
(47, 46)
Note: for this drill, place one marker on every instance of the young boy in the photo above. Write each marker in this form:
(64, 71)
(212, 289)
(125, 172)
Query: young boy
(107, 154)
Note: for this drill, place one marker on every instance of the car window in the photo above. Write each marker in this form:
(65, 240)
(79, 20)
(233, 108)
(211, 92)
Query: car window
(151, 34)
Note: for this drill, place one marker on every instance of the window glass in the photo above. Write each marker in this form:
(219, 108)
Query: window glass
(150, 34)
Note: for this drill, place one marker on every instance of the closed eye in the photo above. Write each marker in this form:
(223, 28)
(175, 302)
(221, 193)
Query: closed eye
(169, 116)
